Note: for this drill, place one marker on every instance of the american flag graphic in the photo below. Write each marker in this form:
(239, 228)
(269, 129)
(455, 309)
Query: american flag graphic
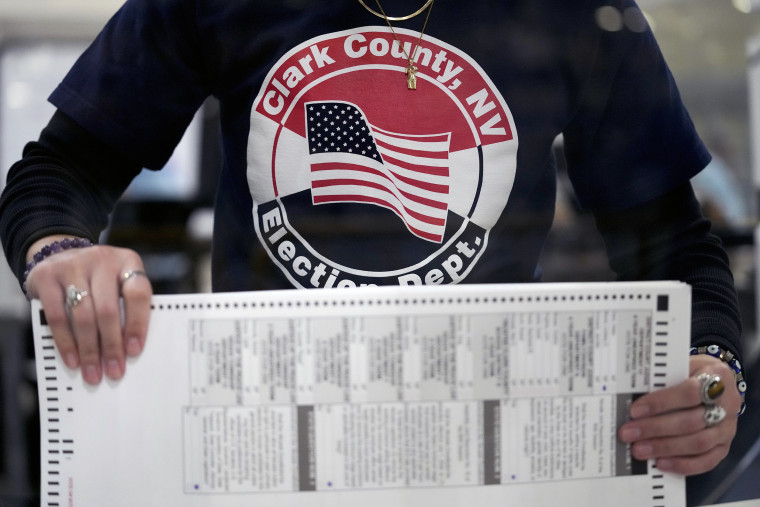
(354, 161)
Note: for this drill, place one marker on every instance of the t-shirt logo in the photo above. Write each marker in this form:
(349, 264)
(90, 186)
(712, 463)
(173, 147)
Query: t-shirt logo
(354, 161)
(410, 182)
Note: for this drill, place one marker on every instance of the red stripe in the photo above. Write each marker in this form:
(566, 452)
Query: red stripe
(440, 222)
(431, 203)
(374, 200)
(419, 168)
(410, 137)
(362, 183)
(344, 166)
(442, 155)
(424, 185)
(329, 166)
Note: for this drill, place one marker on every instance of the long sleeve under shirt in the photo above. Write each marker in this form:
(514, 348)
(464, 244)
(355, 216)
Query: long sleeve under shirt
(68, 182)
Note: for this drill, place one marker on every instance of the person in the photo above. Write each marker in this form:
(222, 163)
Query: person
(338, 174)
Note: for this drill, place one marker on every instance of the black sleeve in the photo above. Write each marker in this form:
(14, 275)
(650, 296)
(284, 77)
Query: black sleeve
(66, 183)
(668, 238)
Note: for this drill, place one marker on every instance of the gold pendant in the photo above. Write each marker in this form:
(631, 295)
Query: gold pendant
(411, 69)
(411, 76)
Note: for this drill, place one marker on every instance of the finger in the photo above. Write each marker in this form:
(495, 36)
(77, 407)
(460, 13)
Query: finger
(688, 393)
(680, 396)
(682, 422)
(730, 399)
(685, 444)
(108, 316)
(136, 292)
(43, 285)
(691, 465)
(85, 328)
(58, 321)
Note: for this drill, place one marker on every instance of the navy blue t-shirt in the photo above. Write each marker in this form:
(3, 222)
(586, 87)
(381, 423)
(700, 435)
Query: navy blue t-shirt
(336, 174)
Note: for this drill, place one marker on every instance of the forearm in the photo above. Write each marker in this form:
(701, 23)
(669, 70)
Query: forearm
(37, 209)
(65, 186)
(670, 239)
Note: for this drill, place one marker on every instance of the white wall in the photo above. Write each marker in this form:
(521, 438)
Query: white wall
(22, 21)
(31, 18)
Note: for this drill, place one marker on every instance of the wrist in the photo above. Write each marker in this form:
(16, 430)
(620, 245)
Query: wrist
(47, 246)
(41, 243)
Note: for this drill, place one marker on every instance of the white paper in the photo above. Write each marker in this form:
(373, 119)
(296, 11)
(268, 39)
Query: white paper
(447, 396)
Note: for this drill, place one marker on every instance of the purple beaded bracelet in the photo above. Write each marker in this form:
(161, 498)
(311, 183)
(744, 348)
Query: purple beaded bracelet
(51, 249)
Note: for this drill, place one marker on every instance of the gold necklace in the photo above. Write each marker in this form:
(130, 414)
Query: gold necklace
(411, 69)
(395, 18)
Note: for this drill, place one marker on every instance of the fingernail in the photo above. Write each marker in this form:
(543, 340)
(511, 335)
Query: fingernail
(630, 434)
(639, 411)
(91, 374)
(642, 451)
(665, 465)
(133, 347)
(113, 369)
(71, 360)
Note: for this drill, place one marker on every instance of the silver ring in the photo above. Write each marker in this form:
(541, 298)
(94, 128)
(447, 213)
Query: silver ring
(131, 274)
(74, 296)
(713, 415)
(711, 387)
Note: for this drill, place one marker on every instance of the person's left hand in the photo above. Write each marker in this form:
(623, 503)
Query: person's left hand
(668, 425)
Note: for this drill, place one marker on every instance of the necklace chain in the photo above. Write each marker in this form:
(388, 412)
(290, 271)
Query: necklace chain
(395, 18)
(411, 69)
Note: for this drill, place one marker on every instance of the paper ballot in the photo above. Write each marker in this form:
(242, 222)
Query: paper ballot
(505, 395)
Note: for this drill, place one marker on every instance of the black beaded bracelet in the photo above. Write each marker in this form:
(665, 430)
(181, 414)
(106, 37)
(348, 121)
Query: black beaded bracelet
(728, 358)
(51, 249)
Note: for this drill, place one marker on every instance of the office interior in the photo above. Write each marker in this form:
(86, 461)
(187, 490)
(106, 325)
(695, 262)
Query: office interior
(712, 46)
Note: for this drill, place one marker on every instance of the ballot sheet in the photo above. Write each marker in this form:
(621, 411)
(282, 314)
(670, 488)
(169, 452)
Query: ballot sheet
(505, 395)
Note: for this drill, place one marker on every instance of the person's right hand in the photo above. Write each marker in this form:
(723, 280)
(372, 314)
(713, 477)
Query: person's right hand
(93, 334)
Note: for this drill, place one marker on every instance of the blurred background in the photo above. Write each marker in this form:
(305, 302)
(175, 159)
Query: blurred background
(712, 46)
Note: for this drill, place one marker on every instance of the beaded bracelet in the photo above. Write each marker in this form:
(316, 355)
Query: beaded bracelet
(728, 358)
(51, 249)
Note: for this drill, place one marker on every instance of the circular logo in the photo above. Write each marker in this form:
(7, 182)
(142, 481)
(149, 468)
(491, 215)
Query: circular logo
(341, 126)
